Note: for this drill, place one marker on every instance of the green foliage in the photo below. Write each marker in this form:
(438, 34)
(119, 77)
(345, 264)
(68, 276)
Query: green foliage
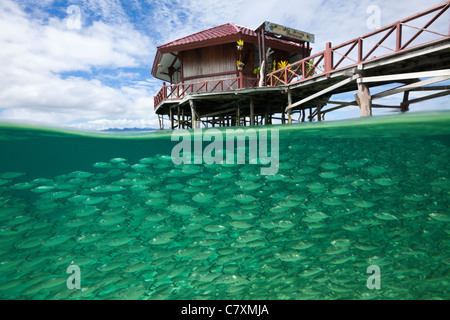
(309, 66)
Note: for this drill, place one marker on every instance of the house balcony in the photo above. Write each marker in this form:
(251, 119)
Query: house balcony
(180, 90)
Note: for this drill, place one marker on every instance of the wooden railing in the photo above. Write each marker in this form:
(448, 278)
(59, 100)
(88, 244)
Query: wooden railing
(389, 40)
(180, 90)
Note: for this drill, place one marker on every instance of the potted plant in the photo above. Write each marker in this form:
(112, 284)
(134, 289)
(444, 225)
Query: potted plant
(240, 65)
(240, 45)
(281, 65)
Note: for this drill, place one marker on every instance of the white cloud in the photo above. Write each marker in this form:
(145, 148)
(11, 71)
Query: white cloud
(34, 54)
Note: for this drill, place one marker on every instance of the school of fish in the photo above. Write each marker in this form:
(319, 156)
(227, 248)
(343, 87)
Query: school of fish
(155, 230)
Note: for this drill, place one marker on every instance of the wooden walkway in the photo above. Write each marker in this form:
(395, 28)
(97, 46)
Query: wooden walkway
(413, 53)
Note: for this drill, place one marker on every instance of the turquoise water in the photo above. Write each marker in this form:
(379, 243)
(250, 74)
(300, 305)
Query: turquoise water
(347, 195)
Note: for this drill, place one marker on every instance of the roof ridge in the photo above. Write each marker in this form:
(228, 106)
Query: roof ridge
(236, 27)
(240, 26)
(196, 33)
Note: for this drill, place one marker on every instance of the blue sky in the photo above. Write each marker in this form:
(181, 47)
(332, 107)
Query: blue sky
(87, 63)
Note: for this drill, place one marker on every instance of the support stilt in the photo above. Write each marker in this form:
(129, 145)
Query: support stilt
(365, 100)
(194, 121)
(405, 104)
(238, 114)
(182, 117)
(252, 112)
(161, 127)
(289, 105)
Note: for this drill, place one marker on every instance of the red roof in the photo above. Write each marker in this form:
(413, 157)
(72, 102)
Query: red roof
(228, 30)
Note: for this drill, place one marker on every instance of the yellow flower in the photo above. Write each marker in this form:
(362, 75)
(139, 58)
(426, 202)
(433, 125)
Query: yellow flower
(282, 64)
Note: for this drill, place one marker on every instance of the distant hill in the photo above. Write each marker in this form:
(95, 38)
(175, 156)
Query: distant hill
(130, 129)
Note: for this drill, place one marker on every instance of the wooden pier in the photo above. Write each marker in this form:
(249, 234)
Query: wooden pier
(414, 61)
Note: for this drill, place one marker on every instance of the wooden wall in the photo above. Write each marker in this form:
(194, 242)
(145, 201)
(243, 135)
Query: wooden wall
(209, 60)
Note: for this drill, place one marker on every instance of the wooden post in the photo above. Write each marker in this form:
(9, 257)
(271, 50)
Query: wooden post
(289, 104)
(182, 117)
(164, 91)
(171, 118)
(241, 80)
(258, 33)
(405, 104)
(238, 114)
(310, 114)
(365, 100)
(398, 44)
(159, 121)
(360, 49)
(194, 124)
(319, 116)
(252, 112)
(178, 118)
(289, 116)
(263, 43)
(303, 115)
(328, 59)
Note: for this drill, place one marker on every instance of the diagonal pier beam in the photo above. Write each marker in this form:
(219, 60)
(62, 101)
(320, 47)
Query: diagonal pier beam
(411, 86)
(322, 92)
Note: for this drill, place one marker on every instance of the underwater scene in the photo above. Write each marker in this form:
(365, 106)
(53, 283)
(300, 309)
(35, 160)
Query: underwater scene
(356, 209)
